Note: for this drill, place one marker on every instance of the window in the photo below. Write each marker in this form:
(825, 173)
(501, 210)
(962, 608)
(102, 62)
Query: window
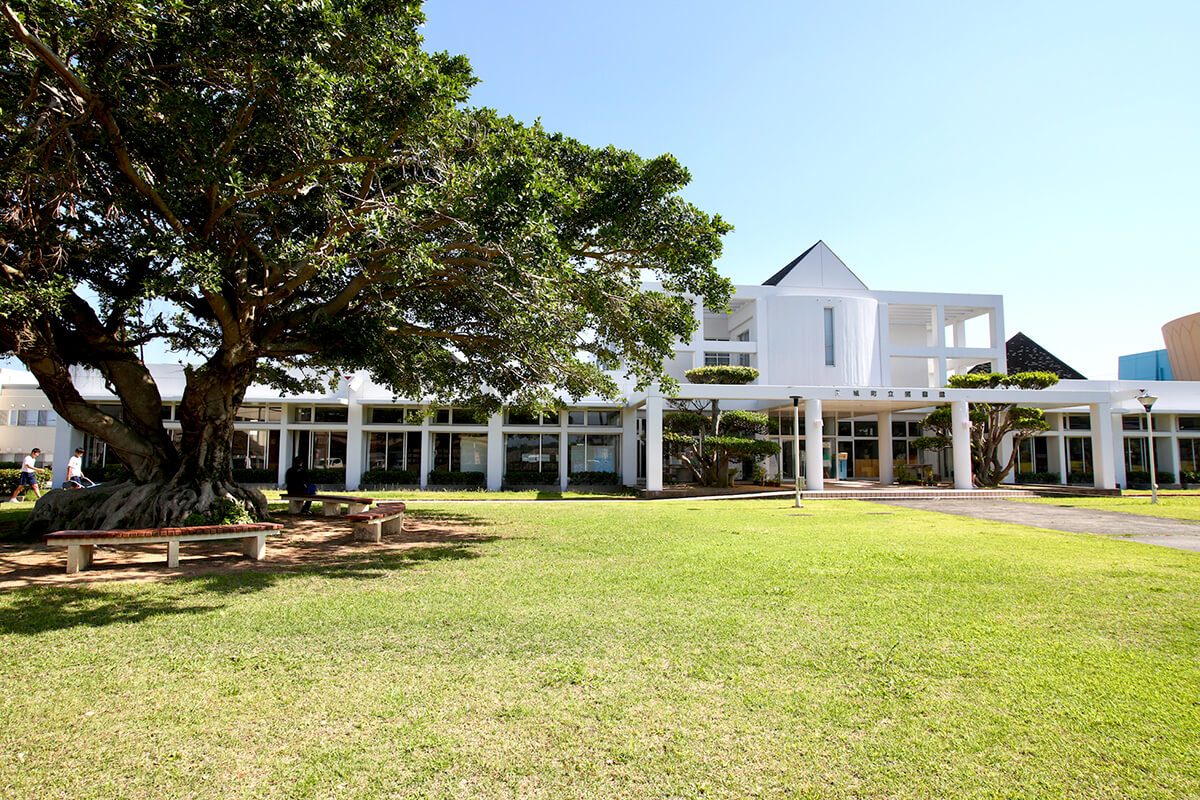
(394, 450)
(914, 429)
(302, 414)
(829, 337)
(844, 429)
(866, 429)
(1077, 422)
(606, 417)
(1079, 454)
(258, 414)
(532, 452)
(459, 452)
(716, 360)
(32, 418)
(744, 336)
(1189, 423)
(321, 449)
(254, 450)
(532, 418)
(457, 416)
(1137, 455)
(594, 452)
(330, 414)
(1134, 422)
(1189, 454)
(394, 415)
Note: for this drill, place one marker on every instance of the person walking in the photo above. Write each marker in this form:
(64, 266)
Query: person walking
(28, 478)
(75, 477)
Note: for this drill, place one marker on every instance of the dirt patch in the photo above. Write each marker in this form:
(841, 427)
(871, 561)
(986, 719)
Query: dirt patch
(304, 542)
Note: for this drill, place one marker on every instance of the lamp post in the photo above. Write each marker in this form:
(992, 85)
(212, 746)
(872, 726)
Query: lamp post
(1147, 401)
(796, 446)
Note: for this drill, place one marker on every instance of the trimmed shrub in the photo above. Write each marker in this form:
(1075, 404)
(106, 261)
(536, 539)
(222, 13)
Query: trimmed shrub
(405, 477)
(530, 478)
(9, 478)
(108, 474)
(1141, 477)
(223, 511)
(725, 375)
(1037, 477)
(256, 476)
(593, 478)
(446, 478)
(1086, 478)
(1188, 476)
(334, 476)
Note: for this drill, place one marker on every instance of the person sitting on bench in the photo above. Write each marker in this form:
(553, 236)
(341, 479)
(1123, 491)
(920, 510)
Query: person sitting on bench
(296, 479)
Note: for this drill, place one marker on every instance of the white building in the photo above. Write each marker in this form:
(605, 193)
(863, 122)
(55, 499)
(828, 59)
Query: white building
(865, 365)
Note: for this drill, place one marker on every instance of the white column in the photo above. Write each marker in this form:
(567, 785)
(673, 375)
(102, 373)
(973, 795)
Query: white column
(1006, 451)
(698, 336)
(564, 451)
(960, 439)
(885, 448)
(814, 445)
(1061, 441)
(760, 340)
(939, 340)
(885, 346)
(1117, 424)
(66, 439)
(654, 443)
(285, 444)
(960, 334)
(628, 446)
(495, 451)
(354, 442)
(996, 320)
(426, 452)
(1104, 475)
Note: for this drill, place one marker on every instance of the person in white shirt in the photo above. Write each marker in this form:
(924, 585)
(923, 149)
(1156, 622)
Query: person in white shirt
(28, 478)
(75, 477)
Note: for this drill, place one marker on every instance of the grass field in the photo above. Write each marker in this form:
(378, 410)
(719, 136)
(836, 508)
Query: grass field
(613, 650)
(1187, 507)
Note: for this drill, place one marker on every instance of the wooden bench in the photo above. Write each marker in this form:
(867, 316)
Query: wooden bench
(331, 504)
(370, 525)
(81, 544)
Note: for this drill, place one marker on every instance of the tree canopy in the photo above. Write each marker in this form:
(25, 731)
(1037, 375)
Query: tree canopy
(279, 189)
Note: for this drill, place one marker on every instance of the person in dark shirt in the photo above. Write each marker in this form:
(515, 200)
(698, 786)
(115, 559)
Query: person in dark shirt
(296, 479)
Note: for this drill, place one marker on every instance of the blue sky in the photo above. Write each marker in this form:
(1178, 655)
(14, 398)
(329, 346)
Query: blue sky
(1043, 151)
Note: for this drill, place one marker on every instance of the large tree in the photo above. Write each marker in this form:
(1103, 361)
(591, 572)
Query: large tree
(280, 189)
(990, 423)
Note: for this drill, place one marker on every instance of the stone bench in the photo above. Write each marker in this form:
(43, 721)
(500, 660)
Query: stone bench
(331, 504)
(81, 544)
(369, 526)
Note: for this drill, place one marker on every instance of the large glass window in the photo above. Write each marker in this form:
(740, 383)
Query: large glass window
(394, 450)
(321, 449)
(1077, 422)
(1189, 423)
(394, 415)
(594, 452)
(257, 414)
(1079, 454)
(1189, 454)
(532, 418)
(1137, 457)
(606, 417)
(866, 458)
(1134, 422)
(459, 452)
(330, 414)
(255, 450)
(531, 452)
(866, 428)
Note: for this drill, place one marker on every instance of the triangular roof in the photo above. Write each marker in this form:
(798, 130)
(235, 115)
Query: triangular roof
(1026, 355)
(816, 267)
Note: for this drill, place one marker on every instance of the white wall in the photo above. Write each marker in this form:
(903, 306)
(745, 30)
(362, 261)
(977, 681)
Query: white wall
(795, 346)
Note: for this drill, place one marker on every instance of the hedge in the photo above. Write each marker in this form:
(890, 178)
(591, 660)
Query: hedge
(1084, 478)
(256, 476)
(398, 477)
(1142, 477)
(1038, 477)
(530, 478)
(9, 478)
(594, 478)
(327, 476)
(445, 478)
(726, 375)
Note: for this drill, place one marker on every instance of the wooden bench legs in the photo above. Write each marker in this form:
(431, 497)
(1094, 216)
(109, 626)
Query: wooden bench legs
(79, 556)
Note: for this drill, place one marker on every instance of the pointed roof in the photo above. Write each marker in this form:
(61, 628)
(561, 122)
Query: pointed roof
(816, 267)
(1026, 355)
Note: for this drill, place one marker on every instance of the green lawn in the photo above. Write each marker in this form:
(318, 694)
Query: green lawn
(613, 650)
(1175, 507)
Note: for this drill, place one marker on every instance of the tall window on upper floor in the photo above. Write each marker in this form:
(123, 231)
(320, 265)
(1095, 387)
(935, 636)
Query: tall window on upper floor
(829, 337)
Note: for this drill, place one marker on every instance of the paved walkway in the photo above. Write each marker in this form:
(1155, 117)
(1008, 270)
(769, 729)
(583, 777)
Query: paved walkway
(1179, 534)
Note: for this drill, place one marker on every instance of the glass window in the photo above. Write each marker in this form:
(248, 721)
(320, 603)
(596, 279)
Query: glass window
(1134, 422)
(716, 360)
(303, 414)
(531, 452)
(829, 337)
(442, 417)
(594, 452)
(1079, 454)
(1189, 423)
(914, 429)
(389, 415)
(744, 336)
(605, 417)
(522, 418)
(1077, 422)
(844, 429)
(1189, 454)
(1137, 457)
(866, 429)
(330, 414)
(898, 430)
(459, 452)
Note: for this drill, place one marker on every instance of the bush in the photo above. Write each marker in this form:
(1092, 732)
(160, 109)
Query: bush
(223, 511)
(399, 477)
(1084, 478)
(1037, 477)
(593, 478)
(108, 474)
(334, 476)
(1141, 477)
(256, 476)
(9, 478)
(530, 478)
(1188, 476)
(446, 478)
(726, 375)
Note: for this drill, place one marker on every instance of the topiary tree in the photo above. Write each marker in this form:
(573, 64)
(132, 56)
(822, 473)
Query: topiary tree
(707, 439)
(990, 423)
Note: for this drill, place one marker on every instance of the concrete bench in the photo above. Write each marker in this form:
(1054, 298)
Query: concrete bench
(81, 544)
(331, 504)
(369, 526)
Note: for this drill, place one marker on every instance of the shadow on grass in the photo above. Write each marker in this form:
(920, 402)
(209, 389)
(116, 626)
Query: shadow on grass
(57, 608)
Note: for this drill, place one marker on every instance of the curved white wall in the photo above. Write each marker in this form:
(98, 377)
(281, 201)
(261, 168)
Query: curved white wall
(1183, 347)
(799, 320)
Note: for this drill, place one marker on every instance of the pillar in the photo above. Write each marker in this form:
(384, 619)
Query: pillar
(285, 444)
(1117, 424)
(628, 446)
(654, 443)
(1061, 441)
(814, 446)
(66, 439)
(426, 452)
(886, 476)
(960, 439)
(354, 442)
(1006, 452)
(495, 451)
(564, 450)
(1104, 475)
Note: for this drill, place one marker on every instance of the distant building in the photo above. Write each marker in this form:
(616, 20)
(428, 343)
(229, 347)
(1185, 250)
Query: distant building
(1153, 365)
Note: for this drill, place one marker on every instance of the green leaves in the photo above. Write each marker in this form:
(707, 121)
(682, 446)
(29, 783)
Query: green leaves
(723, 375)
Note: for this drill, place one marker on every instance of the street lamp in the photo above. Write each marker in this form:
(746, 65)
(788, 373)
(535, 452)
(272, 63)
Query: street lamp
(1147, 401)
(796, 446)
